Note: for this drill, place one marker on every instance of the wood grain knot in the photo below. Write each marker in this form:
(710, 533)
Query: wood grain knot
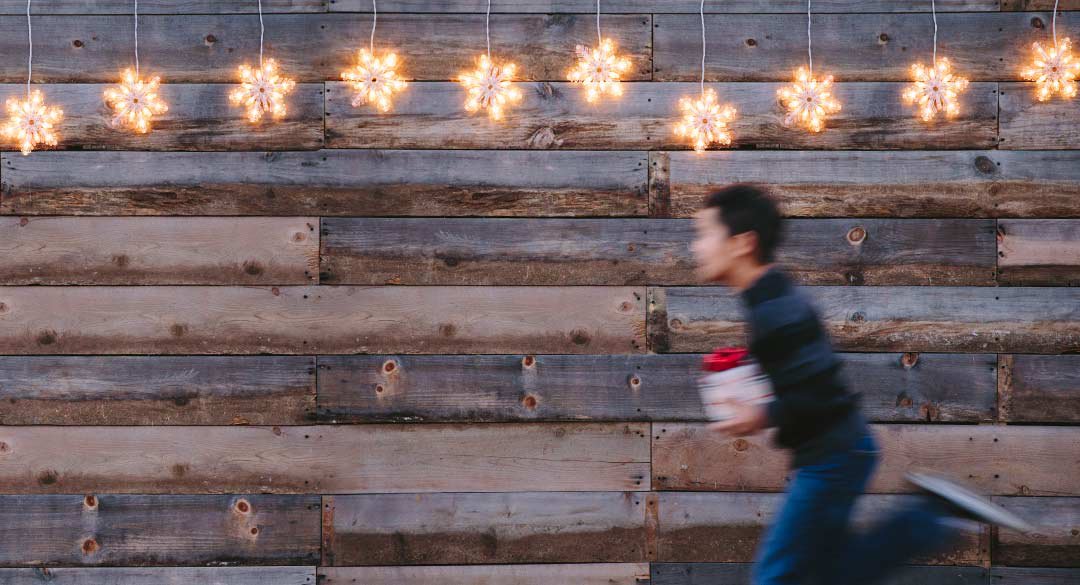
(89, 546)
(1037, 22)
(90, 502)
(529, 401)
(740, 445)
(635, 382)
(751, 42)
(856, 235)
(909, 359)
(389, 366)
(528, 361)
(984, 164)
(242, 506)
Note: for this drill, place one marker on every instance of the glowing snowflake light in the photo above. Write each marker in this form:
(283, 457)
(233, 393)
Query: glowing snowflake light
(262, 91)
(808, 100)
(600, 70)
(705, 121)
(135, 102)
(374, 80)
(31, 122)
(935, 90)
(1054, 70)
(490, 86)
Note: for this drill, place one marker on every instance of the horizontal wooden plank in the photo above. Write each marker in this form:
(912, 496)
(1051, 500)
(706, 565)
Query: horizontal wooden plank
(643, 251)
(160, 576)
(309, 47)
(320, 319)
(726, 527)
(556, 115)
(1033, 576)
(1056, 541)
(740, 574)
(1038, 388)
(664, 6)
(168, 6)
(343, 459)
(1013, 460)
(1028, 124)
(327, 183)
(147, 530)
(1039, 5)
(169, 390)
(546, 574)
(982, 183)
(150, 250)
(853, 47)
(659, 387)
(425, 529)
(938, 318)
(200, 117)
(1039, 252)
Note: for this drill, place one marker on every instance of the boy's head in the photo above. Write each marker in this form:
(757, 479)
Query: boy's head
(738, 231)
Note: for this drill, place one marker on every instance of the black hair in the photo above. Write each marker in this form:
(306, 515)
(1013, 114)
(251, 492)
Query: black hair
(749, 208)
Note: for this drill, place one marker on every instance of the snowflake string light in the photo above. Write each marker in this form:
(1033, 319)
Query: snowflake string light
(262, 91)
(600, 70)
(705, 121)
(374, 80)
(490, 86)
(31, 122)
(935, 90)
(135, 102)
(808, 100)
(1054, 70)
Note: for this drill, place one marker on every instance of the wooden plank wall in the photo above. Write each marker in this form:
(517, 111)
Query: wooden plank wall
(421, 348)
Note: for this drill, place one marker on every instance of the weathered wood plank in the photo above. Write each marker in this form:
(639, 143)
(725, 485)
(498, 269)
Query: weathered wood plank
(643, 251)
(309, 47)
(326, 183)
(545, 574)
(171, 6)
(169, 390)
(556, 115)
(1039, 252)
(320, 319)
(1029, 576)
(129, 250)
(994, 459)
(160, 576)
(726, 527)
(663, 6)
(1056, 542)
(853, 47)
(1038, 388)
(1028, 124)
(199, 118)
(323, 459)
(878, 184)
(425, 529)
(658, 387)
(939, 318)
(158, 530)
(1039, 5)
(739, 574)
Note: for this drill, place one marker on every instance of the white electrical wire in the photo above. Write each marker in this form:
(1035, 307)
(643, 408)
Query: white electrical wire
(487, 28)
(374, 21)
(30, 57)
(599, 39)
(262, 31)
(136, 38)
(933, 9)
(809, 43)
(1053, 24)
(702, 13)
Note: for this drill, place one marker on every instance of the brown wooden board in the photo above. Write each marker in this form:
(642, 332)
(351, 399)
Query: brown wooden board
(938, 318)
(1056, 541)
(726, 527)
(740, 574)
(323, 459)
(519, 574)
(311, 319)
(1039, 5)
(144, 530)
(1033, 576)
(1039, 388)
(1041, 252)
(308, 47)
(556, 115)
(200, 117)
(150, 250)
(165, 390)
(180, 6)
(665, 6)
(982, 183)
(1013, 460)
(160, 576)
(447, 528)
(643, 251)
(326, 183)
(853, 47)
(894, 387)
(1028, 124)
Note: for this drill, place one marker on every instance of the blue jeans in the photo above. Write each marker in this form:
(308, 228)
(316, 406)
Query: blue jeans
(810, 540)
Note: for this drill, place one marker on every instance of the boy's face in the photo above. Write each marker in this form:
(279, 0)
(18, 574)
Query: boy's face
(715, 250)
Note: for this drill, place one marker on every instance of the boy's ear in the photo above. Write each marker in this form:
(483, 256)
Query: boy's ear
(747, 244)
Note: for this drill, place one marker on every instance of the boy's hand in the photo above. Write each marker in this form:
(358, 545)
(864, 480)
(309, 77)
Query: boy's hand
(748, 419)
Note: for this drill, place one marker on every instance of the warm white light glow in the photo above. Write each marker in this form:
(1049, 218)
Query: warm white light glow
(809, 101)
(705, 121)
(374, 80)
(600, 70)
(1054, 71)
(935, 90)
(30, 122)
(262, 91)
(490, 86)
(135, 102)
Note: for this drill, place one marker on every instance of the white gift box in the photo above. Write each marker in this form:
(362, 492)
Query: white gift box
(742, 384)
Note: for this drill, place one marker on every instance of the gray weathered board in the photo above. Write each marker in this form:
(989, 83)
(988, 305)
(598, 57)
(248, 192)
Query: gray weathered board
(1056, 540)
(740, 574)
(160, 576)
(1039, 388)
(516, 574)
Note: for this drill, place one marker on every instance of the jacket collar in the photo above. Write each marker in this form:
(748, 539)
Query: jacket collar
(770, 285)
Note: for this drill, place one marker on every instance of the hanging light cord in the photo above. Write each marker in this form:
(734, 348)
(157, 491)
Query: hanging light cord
(701, 11)
(487, 28)
(599, 39)
(1053, 24)
(30, 58)
(809, 42)
(933, 10)
(136, 38)
(374, 21)
(262, 31)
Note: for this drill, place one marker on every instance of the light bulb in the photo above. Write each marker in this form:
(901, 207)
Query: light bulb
(490, 86)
